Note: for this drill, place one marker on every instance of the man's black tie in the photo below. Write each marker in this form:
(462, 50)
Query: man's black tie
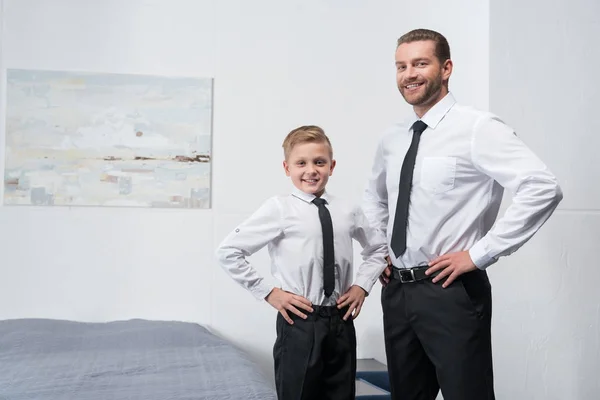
(406, 177)
(328, 259)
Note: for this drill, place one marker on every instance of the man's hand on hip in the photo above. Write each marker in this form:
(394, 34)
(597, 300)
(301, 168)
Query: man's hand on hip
(451, 266)
(384, 278)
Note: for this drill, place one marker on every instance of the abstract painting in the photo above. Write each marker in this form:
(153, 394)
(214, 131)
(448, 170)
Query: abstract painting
(99, 139)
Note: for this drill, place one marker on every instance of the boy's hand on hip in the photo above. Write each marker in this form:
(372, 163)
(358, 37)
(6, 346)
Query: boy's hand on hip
(452, 266)
(282, 301)
(354, 299)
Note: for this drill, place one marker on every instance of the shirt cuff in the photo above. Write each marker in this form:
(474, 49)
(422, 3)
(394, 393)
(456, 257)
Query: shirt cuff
(262, 290)
(365, 283)
(479, 255)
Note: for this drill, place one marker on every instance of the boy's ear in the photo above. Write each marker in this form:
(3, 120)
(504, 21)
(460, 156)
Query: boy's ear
(286, 168)
(332, 167)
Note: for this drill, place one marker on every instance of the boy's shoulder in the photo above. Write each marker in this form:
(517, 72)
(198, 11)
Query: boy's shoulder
(280, 202)
(274, 200)
(342, 203)
(336, 202)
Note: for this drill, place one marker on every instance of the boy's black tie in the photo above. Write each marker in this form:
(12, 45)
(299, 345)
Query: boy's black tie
(328, 258)
(406, 177)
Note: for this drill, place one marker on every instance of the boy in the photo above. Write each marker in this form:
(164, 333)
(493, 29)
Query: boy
(309, 237)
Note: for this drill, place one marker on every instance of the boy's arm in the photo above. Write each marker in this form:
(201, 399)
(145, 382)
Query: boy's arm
(374, 262)
(263, 226)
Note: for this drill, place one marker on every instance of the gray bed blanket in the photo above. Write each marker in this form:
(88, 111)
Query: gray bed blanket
(124, 360)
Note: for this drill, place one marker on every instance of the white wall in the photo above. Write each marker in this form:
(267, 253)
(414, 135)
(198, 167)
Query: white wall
(544, 82)
(276, 64)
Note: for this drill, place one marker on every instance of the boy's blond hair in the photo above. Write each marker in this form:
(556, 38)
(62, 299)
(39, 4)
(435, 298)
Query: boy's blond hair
(305, 134)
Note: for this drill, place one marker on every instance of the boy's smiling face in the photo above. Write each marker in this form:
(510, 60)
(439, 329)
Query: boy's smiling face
(310, 165)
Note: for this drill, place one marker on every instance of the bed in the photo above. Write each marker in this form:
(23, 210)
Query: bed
(135, 359)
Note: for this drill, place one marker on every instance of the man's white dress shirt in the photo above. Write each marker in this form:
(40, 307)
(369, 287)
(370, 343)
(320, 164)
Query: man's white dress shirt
(290, 228)
(465, 160)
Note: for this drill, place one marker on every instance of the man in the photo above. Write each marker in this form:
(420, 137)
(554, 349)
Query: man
(436, 188)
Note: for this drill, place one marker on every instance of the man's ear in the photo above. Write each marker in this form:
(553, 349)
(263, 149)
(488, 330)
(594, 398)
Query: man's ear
(286, 168)
(447, 69)
(333, 163)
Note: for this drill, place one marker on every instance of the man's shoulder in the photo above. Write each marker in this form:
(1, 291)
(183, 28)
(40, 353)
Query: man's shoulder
(393, 129)
(476, 113)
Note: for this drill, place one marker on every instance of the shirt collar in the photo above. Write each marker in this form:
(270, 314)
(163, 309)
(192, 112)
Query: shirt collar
(436, 113)
(307, 197)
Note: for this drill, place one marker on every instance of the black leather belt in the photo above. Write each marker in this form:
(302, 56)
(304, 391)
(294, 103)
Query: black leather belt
(323, 311)
(415, 274)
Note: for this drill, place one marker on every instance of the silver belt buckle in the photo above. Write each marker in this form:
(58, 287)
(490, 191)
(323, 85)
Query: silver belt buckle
(407, 275)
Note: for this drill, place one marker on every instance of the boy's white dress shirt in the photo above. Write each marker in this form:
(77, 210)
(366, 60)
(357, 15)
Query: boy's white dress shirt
(290, 227)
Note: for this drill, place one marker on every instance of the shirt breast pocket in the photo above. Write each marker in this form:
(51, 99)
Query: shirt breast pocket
(438, 174)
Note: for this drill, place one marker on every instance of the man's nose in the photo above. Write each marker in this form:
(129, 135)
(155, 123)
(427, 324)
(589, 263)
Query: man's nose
(410, 73)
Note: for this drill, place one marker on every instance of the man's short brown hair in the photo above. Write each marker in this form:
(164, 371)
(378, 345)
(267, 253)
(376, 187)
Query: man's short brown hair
(305, 134)
(442, 48)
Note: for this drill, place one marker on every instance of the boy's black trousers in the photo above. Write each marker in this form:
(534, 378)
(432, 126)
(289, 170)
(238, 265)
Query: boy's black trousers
(315, 358)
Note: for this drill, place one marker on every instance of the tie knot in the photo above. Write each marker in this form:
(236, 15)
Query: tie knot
(419, 126)
(319, 201)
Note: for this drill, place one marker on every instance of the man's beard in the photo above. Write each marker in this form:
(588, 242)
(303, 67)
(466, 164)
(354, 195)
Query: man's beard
(433, 87)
